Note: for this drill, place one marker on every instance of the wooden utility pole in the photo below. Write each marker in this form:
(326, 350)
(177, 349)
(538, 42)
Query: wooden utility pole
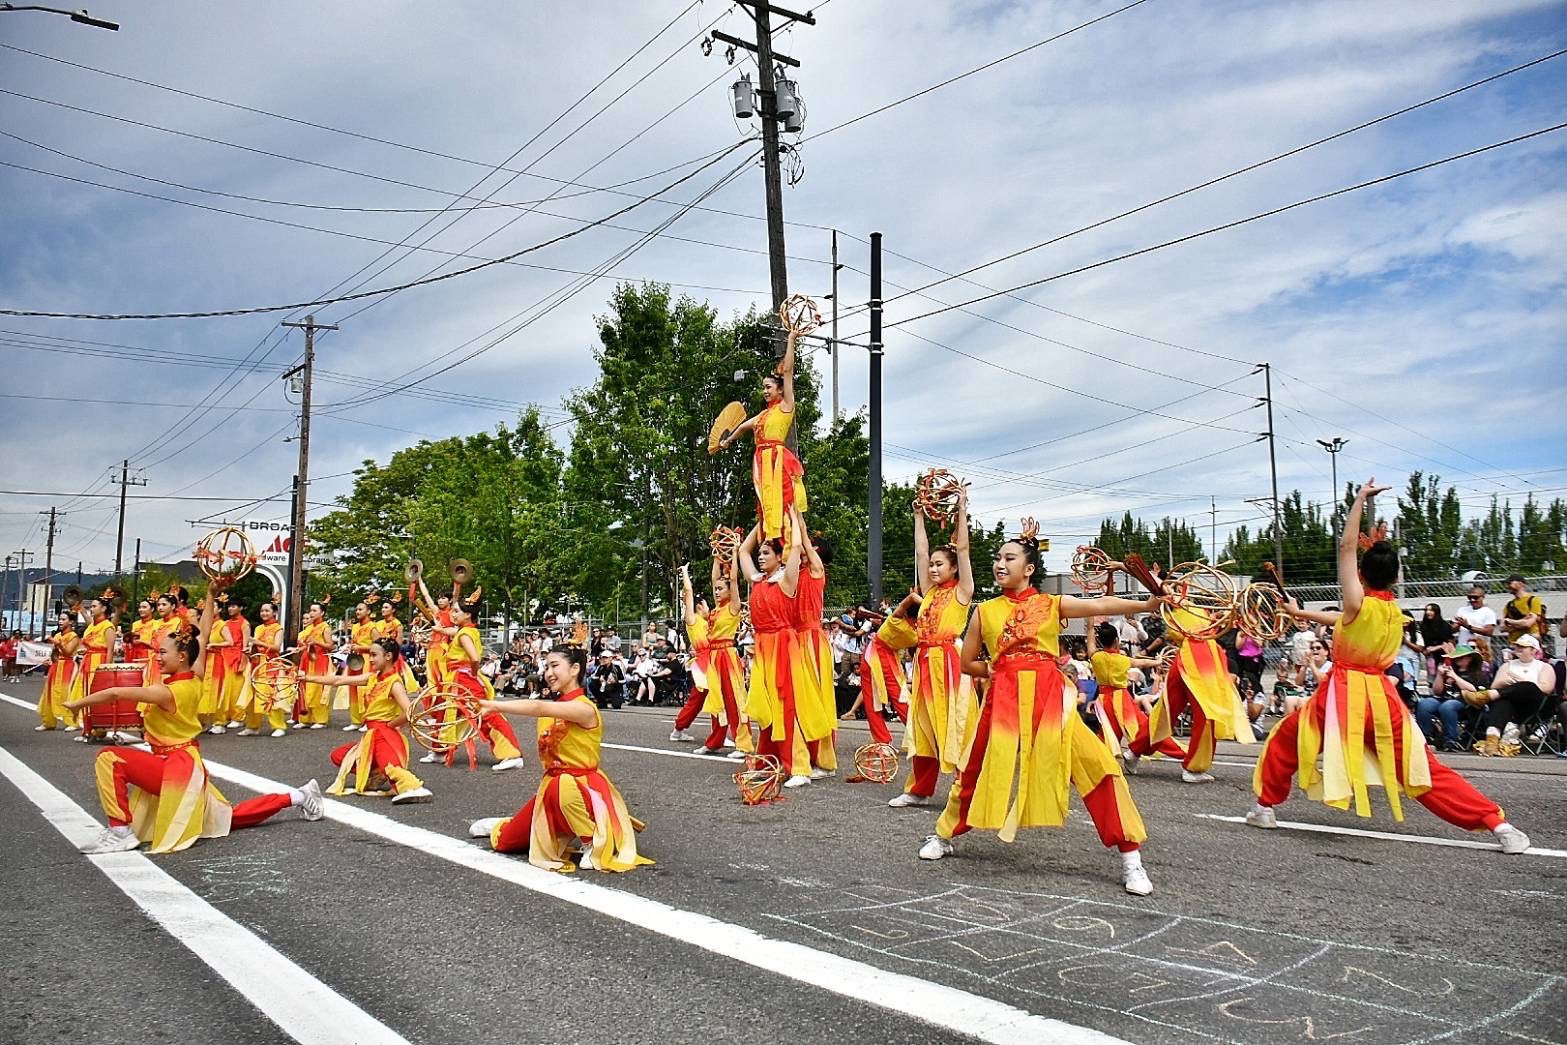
(125, 480)
(49, 564)
(296, 587)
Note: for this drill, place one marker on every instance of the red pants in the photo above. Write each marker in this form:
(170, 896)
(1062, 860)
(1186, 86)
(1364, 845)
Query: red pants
(1135, 734)
(383, 752)
(143, 769)
(782, 750)
(922, 775)
(1451, 797)
(516, 836)
(689, 710)
(492, 722)
(1202, 743)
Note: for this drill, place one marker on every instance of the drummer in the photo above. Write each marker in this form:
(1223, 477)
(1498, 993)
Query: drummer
(164, 797)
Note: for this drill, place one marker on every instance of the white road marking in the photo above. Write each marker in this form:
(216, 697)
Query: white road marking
(303, 1007)
(1390, 836)
(716, 759)
(948, 1008)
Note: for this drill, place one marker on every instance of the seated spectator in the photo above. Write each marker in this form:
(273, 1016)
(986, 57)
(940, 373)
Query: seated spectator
(1461, 671)
(640, 678)
(1315, 672)
(605, 683)
(1436, 640)
(1521, 690)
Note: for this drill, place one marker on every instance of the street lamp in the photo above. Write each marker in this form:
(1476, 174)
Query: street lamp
(1333, 446)
(76, 16)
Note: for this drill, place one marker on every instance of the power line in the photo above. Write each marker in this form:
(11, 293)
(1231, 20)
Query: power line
(320, 302)
(1225, 177)
(1237, 222)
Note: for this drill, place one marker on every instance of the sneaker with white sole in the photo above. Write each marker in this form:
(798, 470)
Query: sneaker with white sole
(484, 828)
(1262, 816)
(112, 840)
(236, 723)
(300, 725)
(507, 763)
(430, 758)
(1136, 881)
(905, 800)
(736, 755)
(361, 729)
(1188, 777)
(72, 729)
(350, 728)
(43, 729)
(797, 781)
(681, 736)
(216, 731)
(819, 773)
(585, 860)
(418, 794)
(1513, 841)
(278, 733)
(935, 848)
(248, 732)
(1130, 765)
(314, 806)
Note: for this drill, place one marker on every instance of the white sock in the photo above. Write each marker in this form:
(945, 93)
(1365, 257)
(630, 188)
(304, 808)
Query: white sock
(1132, 859)
(1501, 828)
(1493, 732)
(296, 797)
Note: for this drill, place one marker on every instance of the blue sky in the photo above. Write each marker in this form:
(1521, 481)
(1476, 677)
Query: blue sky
(1422, 320)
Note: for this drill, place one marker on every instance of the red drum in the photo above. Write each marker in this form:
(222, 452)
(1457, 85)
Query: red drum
(98, 720)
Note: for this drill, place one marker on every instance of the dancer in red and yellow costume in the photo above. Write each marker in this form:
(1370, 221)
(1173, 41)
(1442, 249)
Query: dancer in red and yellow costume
(776, 472)
(463, 655)
(387, 626)
(266, 642)
(1356, 723)
(166, 623)
(815, 684)
(1199, 680)
(315, 658)
(163, 796)
(941, 701)
(236, 665)
(57, 683)
(576, 806)
(882, 679)
(379, 759)
(773, 700)
(211, 710)
(360, 634)
(1030, 746)
(439, 612)
(142, 649)
(717, 681)
(96, 645)
(1121, 716)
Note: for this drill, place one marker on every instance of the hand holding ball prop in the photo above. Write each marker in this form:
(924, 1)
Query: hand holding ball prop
(938, 495)
(274, 682)
(225, 555)
(1091, 568)
(442, 718)
(1200, 601)
(799, 315)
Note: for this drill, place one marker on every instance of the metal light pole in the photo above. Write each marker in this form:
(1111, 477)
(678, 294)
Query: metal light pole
(76, 16)
(1333, 446)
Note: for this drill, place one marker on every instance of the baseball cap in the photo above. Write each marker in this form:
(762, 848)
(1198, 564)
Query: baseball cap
(1527, 640)
(1459, 651)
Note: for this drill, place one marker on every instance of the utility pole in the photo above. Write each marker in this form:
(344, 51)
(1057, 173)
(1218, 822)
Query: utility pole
(835, 268)
(21, 585)
(1333, 446)
(49, 562)
(136, 576)
(125, 480)
(296, 543)
(873, 541)
(1213, 530)
(1273, 468)
(5, 591)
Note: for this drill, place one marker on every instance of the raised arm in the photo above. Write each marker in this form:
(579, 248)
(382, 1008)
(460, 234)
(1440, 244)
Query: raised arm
(687, 600)
(789, 583)
(960, 542)
(921, 550)
(1348, 550)
(209, 612)
(813, 561)
(786, 371)
(577, 712)
(745, 553)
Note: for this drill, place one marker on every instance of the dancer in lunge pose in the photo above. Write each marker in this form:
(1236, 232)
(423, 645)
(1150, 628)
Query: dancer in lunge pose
(1355, 722)
(576, 811)
(1030, 743)
(163, 796)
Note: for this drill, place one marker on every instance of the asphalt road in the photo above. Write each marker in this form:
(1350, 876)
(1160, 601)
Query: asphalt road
(1249, 936)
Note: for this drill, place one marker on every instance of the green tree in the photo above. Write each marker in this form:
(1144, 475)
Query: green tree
(1155, 544)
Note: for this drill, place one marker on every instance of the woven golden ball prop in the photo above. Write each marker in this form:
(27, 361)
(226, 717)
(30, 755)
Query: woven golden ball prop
(877, 763)
(225, 554)
(274, 682)
(1208, 597)
(1260, 611)
(440, 718)
(1091, 569)
(799, 315)
(937, 495)
(761, 780)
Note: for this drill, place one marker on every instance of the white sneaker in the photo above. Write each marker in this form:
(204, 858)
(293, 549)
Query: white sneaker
(249, 732)
(430, 758)
(728, 742)
(822, 774)
(507, 763)
(81, 739)
(348, 728)
(1513, 840)
(736, 755)
(300, 725)
(1188, 777)
(313, 807)
(112, 840)
(216, 731)
(797, 781)
(236, 723)
(318, 725)
(483, 828)
(681, 736)
(72, 729)
(1136, 880)
(42, 729)
(935, 848)
(360, 729)
(585, 860)
(1130, 765)
(418, 794)
(905, 800)
(1261, 816)
(279, 733)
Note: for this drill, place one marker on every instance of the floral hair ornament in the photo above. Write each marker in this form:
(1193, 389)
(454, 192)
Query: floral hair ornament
(470, 600)
(1378, 533)
(1029, 530)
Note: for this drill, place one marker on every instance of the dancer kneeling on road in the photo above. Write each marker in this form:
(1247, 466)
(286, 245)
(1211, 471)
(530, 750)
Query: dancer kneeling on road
(379, 759)
(576, 806)
(164, 796)
(1355, 721)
